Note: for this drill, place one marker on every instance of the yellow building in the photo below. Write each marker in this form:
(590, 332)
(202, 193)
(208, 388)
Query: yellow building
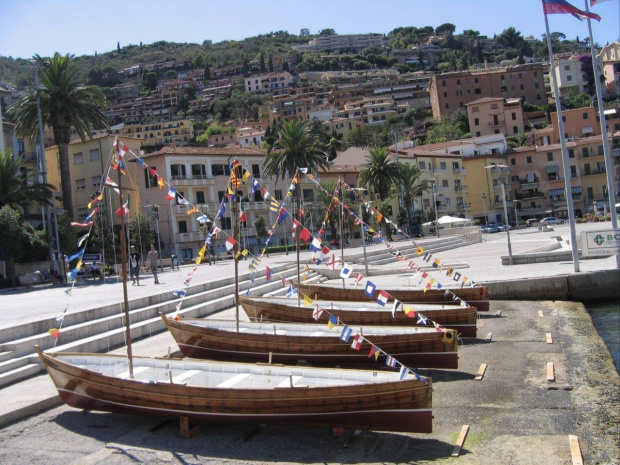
(161, 133)
(89, 163)
(484, 187)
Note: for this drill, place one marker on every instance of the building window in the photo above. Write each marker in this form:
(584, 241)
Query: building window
(573, 171)
(226, 223)
(96, 180)
(83, 213)
(220, 196)
(569, 78)
(458, 82)
(422, 165)
(477, 90)
(528, 160)
(447, 106)
(459, 93)
(442, 165)
(93, 155)
(549, 156)
(80, 184)
(444, 183)
(78, 158)
(256, 171)
(200, 197)
(600, 150)
(199, 172)
(475, 109)
(475, 80)
(476, 122)
(182, 226)
(278, 194)
(571, 153)
(177, 171)
(514, 116)
(220, 170)
(585, 115)
(443, 83)
(584, 152)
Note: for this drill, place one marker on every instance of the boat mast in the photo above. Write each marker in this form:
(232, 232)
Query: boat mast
(235, 215)
(341, 227)
(298, 233)
(124, 270)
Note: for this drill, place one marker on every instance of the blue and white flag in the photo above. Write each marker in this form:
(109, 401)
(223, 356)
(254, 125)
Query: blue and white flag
(403, 372)
(255, 186)
(315, 245)
(179, 293)
(346, 333)
(346, 271)
(370, 289)
(292, 291)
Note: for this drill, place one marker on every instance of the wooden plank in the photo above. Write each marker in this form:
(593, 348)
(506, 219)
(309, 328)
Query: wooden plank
(549, 338)
(540, 314)
(498, 313)
(489, 337)
(575, 450)
(460, 441)
(550, 372)
(481, 371)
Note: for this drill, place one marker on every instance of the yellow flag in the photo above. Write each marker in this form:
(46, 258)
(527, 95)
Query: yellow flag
(230, 191)
(308, 301)
(246, 176)
(237, 255)
(202, 251)
(420, 250)
(379, 217)
(198, 260)
(244, 252)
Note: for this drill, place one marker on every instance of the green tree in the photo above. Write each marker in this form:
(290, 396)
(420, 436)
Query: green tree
(263, 68)
(362, 136)
(11, 231)
(285, 66)
(16, 187)
(380, 172)
(149, 81)
(270, 61)
(207, 72)
(444, 28)
(412, 186)
(260, 227)
(141, 233)
(450, 127)
(65, 105)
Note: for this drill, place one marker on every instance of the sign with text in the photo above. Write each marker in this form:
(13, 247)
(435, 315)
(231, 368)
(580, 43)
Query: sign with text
(600, 243)
(91, 257)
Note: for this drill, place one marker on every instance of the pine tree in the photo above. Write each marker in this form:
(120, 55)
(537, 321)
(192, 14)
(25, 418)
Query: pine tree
(207, 73)
(270, 64)
(285, 66)
(118, 46)
(262, 62)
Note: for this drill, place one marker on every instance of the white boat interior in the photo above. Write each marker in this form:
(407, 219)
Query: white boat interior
(224, 375)
(358, 306)
(304, 329)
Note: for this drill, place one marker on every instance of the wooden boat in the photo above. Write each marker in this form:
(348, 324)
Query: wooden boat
(279, 309)
(477, 297)
(420, 347)
(233, 392)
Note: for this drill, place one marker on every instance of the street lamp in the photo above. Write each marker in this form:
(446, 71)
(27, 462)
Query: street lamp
(484, 206)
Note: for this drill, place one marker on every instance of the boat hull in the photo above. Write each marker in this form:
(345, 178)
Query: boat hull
(421, 350)
(476, 297)
(390, 405)
(461, 319)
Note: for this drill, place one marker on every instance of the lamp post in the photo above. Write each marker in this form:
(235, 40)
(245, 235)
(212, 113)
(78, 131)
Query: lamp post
(484, 206)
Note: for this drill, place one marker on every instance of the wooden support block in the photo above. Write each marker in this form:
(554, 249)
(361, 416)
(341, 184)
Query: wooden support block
(498, 313)
(460, 441)
(188, 428)
(550, 372)
(481, 371)
(540, 314)
(575, 450)
(337, 432)
(489, 337)
(549, 338)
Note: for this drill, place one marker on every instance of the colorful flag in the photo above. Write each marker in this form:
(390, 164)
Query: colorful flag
(171, 194)
(230, 243)
(596, 2)
(357, 342)
(422, 320)
(374, 350)
(292, 292)
(419, 250)
(83, 225)
(551, 7)
(305, 234)
(221, 211)
(382, 298)
(274, 206)
(282, 215)
(179, 293)
(308, 301)
(315, 245)
(95, 200)
(268, 273)
(346, 333)
(346, 271)
(160, 183)
(397, 304)
(403, 372)
(370, 289)
(333, 262)
(391, 361)
(318, 311)
(255, 186)
(55, 332)
(333, 321)
(183, 201)
(410, 312)
(358, 278)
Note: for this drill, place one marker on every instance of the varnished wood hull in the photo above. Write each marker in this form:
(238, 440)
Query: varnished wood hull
(413, 347)
(462, 319)
(92, 382)
(476, 296)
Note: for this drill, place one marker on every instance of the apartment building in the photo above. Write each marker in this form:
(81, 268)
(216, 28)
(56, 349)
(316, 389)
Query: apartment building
(286, 109)
(222, 140)
(484, 187)
(342, 42)
(201, 176)
(369, 110)
(159, 105)
(538, 177)
(89, 164)
(490, 115)
(341, 126)
(578, 122)
(610, 60)
(164, 133)
(569, 74)
(452, 91)
(268, 82)
(250, 136)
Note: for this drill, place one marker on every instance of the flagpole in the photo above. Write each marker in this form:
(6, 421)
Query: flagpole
(565, 167)
(611, 187)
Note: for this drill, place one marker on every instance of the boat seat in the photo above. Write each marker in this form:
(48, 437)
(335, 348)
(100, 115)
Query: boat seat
(318, 333)
(234, 380)
(136, 371)
(287, 382)
(184, 376)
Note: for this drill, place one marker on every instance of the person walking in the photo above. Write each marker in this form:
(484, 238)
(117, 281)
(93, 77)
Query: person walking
(152, 259)
(134, 266)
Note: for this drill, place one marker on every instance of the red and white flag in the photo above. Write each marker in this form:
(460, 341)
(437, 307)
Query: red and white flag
(230, 243)
(358, 278)
(357, 342)
(318, 311)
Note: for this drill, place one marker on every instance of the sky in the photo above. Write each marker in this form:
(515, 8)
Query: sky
(83, 27)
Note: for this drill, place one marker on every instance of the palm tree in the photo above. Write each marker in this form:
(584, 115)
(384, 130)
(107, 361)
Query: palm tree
(296, 147)
(16, 187)
(412, 186)
(381, 172)
(65, 105)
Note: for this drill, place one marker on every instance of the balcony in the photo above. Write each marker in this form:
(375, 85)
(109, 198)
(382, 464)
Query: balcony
(595, 172)
(459, 170)
(463, 206)
(528, 186)
(189, 237)
(496, 123)
(178, 181)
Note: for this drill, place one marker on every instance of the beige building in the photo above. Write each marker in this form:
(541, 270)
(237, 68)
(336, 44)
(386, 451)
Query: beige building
(89, 164)
(495, 116)
(268, 82)
(610, 59)
(484, 179)
(578, 122)
(570, 75)
(163, 133)
(201, 175)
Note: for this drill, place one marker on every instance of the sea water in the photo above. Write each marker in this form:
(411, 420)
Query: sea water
(606, 318)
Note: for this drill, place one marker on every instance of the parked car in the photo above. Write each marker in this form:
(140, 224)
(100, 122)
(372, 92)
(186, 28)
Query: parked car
(532, 222)
(550, 220)
(502, 227)
(490, 228)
